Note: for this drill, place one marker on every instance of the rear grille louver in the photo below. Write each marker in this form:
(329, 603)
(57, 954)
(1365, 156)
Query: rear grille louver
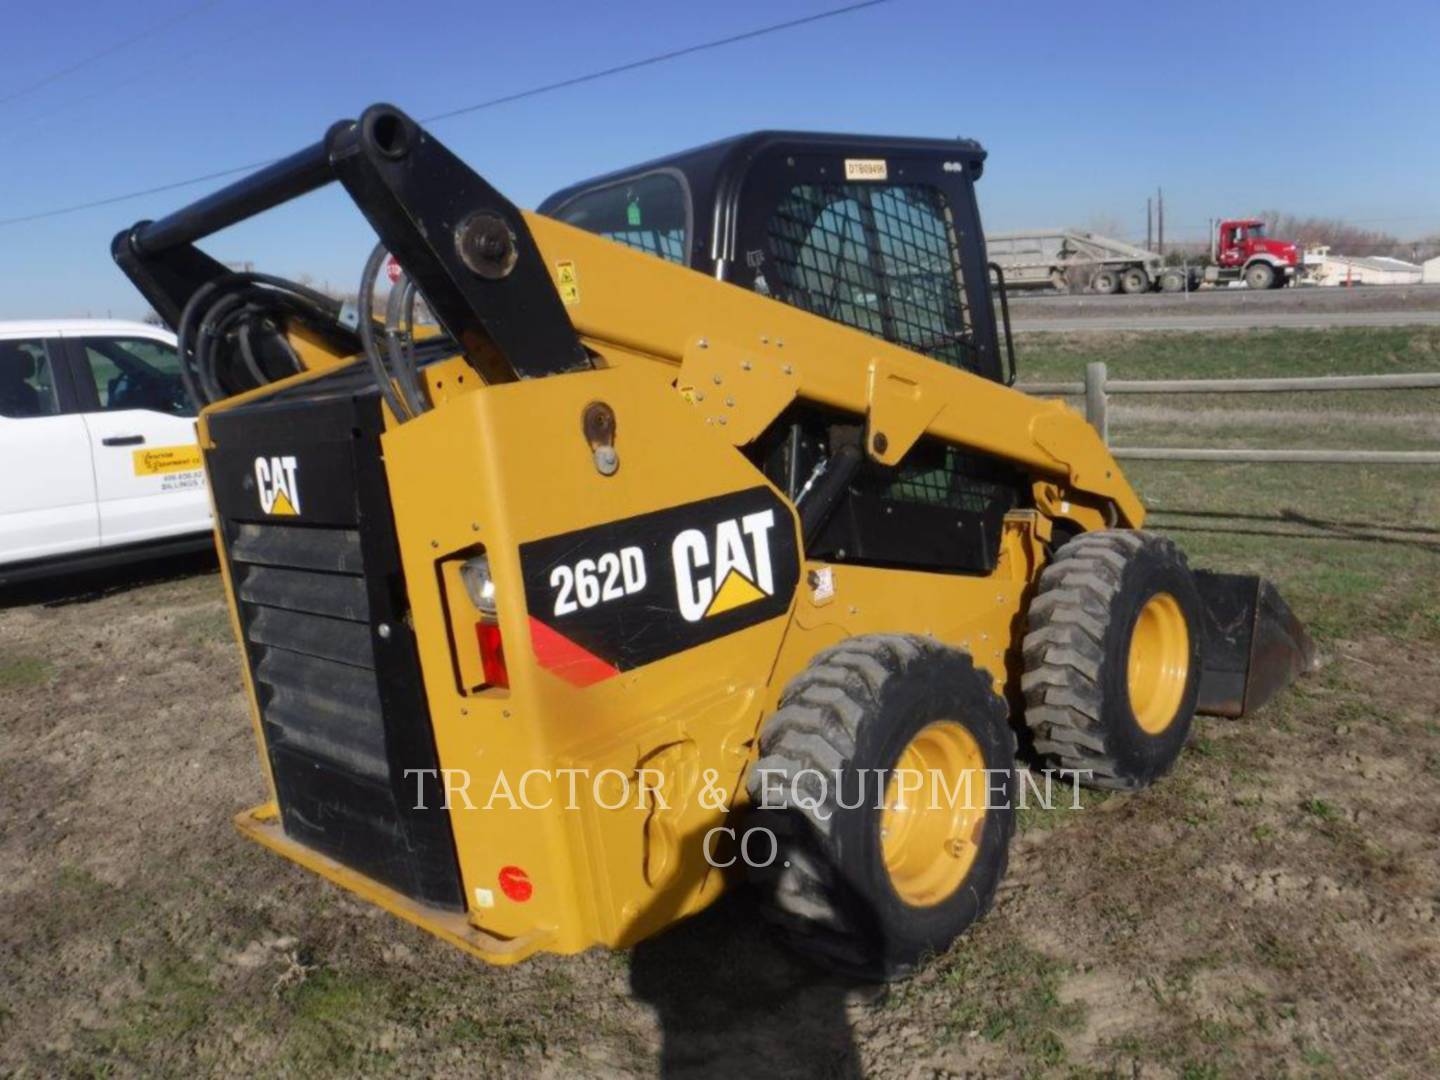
(307, 617)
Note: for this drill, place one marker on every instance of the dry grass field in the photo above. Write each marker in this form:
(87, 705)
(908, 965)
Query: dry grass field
(1272, 908)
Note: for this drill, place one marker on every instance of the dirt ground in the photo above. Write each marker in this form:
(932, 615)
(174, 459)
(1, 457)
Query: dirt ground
(1271, 908)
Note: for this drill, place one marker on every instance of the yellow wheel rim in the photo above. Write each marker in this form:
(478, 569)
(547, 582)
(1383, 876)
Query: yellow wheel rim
(1159, 664)
(934, 812)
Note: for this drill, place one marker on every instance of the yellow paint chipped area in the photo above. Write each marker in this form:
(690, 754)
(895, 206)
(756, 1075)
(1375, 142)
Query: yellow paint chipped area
(166, 459)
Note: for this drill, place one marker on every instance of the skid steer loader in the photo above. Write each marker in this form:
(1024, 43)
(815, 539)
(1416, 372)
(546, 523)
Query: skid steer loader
(630, 582)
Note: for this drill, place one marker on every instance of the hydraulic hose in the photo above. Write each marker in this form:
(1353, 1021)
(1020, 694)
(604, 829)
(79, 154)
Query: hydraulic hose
(400, 342)
(366, 305)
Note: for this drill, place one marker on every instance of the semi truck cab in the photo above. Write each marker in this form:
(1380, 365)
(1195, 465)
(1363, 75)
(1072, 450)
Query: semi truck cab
(1242, 249)
(1241, 241)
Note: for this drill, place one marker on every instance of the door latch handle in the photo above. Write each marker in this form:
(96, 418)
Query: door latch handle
(122, 440)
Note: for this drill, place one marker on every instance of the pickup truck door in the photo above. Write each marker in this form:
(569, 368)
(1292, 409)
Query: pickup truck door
(47, 483)
(149, 478)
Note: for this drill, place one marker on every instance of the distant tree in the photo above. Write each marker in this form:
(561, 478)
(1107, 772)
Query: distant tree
(1342, 237)
(1187, 253)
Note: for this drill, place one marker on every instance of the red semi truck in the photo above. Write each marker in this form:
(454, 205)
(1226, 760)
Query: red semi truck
(1241, 249)
(1069, 260)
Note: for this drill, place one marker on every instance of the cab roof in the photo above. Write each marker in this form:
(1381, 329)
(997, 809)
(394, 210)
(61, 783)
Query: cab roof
(721, 166)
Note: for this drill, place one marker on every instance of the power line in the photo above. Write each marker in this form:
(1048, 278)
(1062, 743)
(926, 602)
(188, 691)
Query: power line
(145, 75)
(138, 194)
(83, 62)
(658, 58)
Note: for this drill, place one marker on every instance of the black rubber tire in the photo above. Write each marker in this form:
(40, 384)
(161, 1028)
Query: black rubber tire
(1105, 282)
(1077, 701)
(855, 708)
(1260, 275)
(1135, 280)
(1172, 281)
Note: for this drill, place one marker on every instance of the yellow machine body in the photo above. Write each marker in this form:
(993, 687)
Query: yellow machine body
(693, 370)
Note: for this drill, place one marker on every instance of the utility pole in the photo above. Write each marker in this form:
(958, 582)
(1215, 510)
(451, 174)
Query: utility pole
(1149, 222)
(1160, 214)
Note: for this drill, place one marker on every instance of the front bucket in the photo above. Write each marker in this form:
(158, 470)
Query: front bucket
(1254, 645)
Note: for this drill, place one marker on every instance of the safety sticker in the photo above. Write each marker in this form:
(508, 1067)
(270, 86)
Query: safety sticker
(568, 282)
(166, 459)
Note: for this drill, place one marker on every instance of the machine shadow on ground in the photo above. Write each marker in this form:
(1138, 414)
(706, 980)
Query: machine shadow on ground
(730, 999)
(79, 587)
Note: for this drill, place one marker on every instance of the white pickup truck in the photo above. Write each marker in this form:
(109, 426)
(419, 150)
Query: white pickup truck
(97, 441)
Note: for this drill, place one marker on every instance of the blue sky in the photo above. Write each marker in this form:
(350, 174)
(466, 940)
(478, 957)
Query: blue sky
(1327, 108)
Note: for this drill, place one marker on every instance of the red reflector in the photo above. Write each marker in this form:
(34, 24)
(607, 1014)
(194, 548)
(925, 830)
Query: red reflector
(515, 884)
(492, 654)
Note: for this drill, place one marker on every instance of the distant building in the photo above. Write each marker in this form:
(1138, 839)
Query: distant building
(1430, 272)
(1323, 267)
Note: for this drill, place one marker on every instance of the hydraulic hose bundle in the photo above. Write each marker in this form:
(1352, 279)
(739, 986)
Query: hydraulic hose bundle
(231, 338)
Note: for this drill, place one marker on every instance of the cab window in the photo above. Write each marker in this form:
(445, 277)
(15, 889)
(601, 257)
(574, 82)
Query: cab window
(136, 373)
(650, 213)
(881, 258)
(27, 380)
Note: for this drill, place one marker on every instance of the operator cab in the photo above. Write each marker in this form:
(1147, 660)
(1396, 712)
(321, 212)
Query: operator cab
(881, 234)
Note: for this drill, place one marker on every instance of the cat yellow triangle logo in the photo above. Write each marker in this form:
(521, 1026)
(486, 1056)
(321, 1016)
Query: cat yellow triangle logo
(735, 591)
(277, 483)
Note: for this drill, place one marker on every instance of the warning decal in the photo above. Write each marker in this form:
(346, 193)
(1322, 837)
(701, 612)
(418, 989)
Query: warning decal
(567, 281)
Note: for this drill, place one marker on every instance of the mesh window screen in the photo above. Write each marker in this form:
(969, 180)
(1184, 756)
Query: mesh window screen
(881, 258)
(667, 243)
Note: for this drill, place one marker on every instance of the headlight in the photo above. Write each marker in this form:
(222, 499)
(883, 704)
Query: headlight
(480, 586)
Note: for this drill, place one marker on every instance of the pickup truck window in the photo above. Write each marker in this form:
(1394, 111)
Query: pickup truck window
(27, 381)
(136, 373)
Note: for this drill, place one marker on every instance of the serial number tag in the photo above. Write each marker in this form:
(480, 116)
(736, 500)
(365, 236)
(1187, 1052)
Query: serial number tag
(865, 169)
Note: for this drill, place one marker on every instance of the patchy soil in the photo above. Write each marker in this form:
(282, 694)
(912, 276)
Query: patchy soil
(1272, 905)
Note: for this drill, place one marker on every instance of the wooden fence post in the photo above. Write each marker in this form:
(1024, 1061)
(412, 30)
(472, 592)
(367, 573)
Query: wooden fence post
(1095, 399)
